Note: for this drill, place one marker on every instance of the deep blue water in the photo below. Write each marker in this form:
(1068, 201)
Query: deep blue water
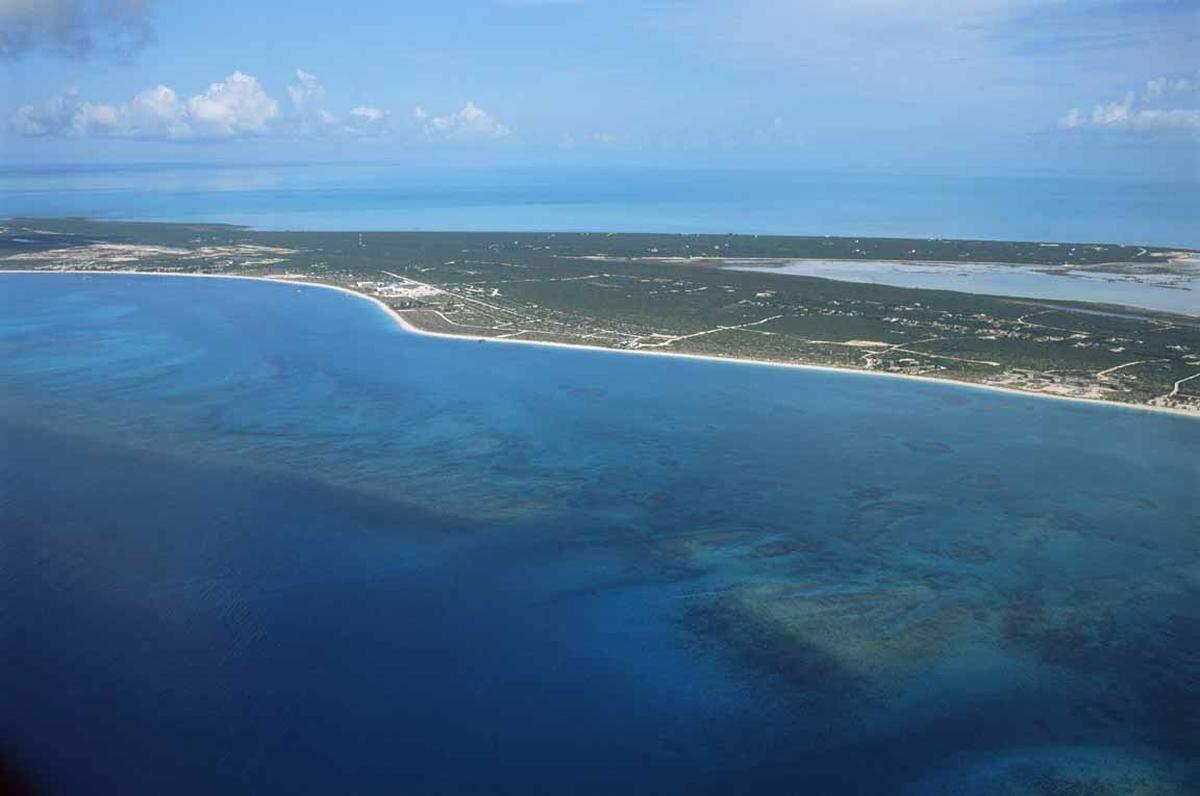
(392, 197)
(256, 537)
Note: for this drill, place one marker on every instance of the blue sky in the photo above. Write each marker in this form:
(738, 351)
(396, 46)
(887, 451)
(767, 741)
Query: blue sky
(940, 86)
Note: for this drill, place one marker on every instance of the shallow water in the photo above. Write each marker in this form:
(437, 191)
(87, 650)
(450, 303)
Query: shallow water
(1179, 293)
(258, 537)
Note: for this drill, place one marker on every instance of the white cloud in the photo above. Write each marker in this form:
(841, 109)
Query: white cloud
(468, 122)
(1169, 119)
(309, 117)
(153, 112)
(1162, 86)
(367, 113)
(159, 110)
(91, 118)
(365, 120)
(1144, 115)
(74, 27)
(307, 91)
(1073, 119)
(49, 117)
(307, 114)
(237, 106)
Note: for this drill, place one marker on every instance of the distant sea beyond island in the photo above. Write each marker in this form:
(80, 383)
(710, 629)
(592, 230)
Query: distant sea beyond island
(776, 201)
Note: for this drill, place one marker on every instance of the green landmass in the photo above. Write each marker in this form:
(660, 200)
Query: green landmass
(669, 293)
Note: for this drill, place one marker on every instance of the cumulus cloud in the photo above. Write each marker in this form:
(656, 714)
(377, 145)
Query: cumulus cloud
(307, 90)
(239, 106)
(1150, 111)
(46, 118)
(308, 115)
(158, 111)
(74, 27)
(233, 107)
(468, 122)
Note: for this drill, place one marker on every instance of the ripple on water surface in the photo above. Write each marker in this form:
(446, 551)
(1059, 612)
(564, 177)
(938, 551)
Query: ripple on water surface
(248, 517)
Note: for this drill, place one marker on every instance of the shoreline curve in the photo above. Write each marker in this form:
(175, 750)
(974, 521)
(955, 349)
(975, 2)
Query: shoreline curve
(408, 327)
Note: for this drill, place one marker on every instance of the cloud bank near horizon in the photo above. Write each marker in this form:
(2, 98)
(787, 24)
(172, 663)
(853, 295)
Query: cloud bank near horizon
(237, 107)
(1164, 105)
(977, 85)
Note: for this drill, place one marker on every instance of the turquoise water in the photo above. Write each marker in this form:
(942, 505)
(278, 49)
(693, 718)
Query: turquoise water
(392, 197)
(259, 538)
(1177, 293)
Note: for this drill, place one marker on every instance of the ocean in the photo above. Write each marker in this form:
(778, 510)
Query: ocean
(395, 197)
(259, 538)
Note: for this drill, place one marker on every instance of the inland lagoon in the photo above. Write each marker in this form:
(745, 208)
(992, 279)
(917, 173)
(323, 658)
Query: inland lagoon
(1177, 291)
(259, 537)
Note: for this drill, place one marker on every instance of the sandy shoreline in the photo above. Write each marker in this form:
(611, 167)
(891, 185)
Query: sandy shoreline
(403, 323)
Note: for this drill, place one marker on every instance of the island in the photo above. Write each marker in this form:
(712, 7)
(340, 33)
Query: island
(691, 294)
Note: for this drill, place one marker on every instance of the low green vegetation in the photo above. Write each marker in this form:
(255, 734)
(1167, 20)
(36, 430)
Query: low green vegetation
(667, 293)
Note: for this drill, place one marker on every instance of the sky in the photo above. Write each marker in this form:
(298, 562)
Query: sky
(1016, 87)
